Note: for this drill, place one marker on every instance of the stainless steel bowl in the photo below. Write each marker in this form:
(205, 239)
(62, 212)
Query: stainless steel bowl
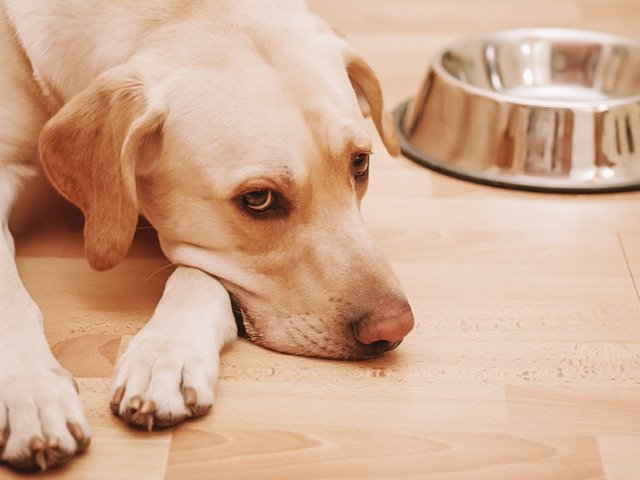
(535, 109)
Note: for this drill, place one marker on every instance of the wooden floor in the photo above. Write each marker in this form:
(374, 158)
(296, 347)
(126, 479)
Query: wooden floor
(525, 360)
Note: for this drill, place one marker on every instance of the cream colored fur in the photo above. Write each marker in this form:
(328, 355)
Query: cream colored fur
(175, 110)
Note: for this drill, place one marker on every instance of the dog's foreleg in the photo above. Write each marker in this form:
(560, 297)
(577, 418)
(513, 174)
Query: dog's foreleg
(168, 372)
(41, 419)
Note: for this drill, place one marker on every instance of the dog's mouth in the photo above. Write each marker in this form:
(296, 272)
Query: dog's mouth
(350, 350)
(239, 315)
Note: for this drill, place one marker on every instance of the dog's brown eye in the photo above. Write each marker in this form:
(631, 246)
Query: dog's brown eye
(360, 164)
(258, 200)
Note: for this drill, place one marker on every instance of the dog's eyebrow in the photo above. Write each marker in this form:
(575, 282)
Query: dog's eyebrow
(354, 146)
(286, 176)
(280, 178)
(354, 139)
(362, 144)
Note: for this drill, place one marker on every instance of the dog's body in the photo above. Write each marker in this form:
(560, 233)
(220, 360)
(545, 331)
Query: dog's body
(236, 128)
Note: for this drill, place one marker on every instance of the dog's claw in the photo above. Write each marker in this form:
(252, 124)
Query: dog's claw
(39, 447)
(190, 397)
(118, 395)
(53, 442)
(117, 399)
(147, 412)
(37, 444)
(135, 403)
(191, 402)
(147, 407)
(78, 434)
(149, 422)
(41, 460)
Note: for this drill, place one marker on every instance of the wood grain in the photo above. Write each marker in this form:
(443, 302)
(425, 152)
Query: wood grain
(525, 360)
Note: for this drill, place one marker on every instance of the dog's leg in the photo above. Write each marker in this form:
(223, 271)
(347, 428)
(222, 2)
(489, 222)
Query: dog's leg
(41, 419)
(168, 372)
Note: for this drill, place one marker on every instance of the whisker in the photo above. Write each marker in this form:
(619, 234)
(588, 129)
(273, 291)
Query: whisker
(159, 270)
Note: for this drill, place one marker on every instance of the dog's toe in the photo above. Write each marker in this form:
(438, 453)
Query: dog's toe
(4, 427)
(79, 434)
(116, 399)
(196, 408)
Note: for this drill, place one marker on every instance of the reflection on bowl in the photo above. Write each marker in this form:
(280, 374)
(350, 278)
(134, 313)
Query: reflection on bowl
(536, 109)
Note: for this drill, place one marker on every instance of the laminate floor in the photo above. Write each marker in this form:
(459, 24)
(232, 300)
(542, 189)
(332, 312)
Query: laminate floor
(525, 360)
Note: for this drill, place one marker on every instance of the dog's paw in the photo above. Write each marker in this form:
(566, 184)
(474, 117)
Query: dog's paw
(160, 382)
(41, 420)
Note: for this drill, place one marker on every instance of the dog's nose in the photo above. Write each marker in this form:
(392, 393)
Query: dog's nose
(385, 326)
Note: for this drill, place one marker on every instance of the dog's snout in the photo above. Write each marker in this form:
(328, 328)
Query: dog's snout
(386, 326)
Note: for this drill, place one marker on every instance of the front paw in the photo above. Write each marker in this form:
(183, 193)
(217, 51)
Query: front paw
(160, 382)
(41, 418)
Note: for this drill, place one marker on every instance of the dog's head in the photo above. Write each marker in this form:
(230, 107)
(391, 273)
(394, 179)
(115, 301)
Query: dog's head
(251, 169)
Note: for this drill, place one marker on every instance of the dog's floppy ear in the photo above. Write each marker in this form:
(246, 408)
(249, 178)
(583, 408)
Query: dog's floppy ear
(91, 149)
(369, 94)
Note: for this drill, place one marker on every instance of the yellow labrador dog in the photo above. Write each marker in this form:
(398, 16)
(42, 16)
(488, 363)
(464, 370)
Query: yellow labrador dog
(236, 127)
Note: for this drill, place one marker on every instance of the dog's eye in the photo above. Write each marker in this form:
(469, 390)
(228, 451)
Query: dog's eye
(360, 164)
(258, 201)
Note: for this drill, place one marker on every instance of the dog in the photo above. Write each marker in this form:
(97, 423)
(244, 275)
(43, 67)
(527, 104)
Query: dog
(237, 129)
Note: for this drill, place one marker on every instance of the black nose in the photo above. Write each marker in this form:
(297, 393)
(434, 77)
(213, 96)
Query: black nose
(386, 326)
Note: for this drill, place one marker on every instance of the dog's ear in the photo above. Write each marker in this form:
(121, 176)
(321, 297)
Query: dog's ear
(90, 151)
(369, 94)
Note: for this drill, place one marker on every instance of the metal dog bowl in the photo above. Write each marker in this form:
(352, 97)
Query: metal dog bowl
(537, 109)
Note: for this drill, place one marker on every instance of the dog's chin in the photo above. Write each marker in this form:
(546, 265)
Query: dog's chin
(309, 343)
(327, 351)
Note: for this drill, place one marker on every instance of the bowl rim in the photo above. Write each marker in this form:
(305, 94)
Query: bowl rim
(548, 33)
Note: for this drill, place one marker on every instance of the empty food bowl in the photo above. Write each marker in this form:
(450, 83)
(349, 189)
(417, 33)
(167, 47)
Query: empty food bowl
(535, 109)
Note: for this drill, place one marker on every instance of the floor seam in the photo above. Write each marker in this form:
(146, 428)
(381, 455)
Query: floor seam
(626, 259)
